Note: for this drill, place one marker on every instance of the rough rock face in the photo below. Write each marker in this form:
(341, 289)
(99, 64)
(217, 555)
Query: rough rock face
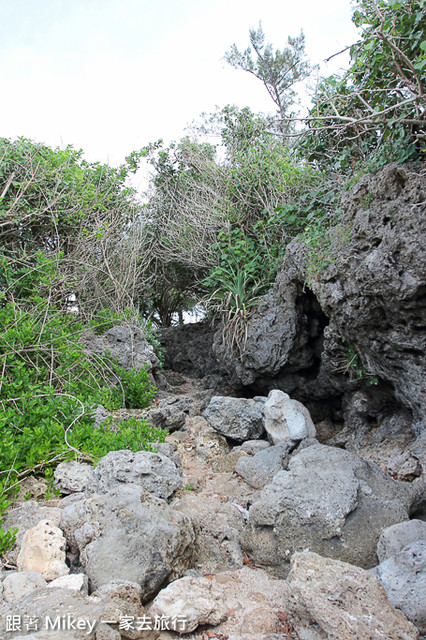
(333, 600)
(367, 286)
(260, 469)
(51, 607)
(25, 516)
(393, 539)
(287, 420)
(403, 575)
(190, 602)
(154, 472)
(330, 501)
(189, 349)
(43, 551)
(125, 344)
(73, 477)
(236, 418)
(152, 541)
(171, 413)
(18, 585)
(219, 527)
(209, 444)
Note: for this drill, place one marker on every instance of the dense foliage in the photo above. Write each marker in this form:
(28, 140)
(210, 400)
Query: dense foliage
(52, 204)
(375, 112)
(50, 388)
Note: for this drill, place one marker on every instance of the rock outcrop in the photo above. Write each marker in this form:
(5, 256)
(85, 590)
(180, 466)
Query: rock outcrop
(403, 576)
(356, 297)
(189, 349)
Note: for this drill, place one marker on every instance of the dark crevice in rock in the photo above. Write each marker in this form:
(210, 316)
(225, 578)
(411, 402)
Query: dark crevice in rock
(418, 511)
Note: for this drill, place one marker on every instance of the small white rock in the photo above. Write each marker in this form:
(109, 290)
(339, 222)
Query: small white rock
(190, 602)
(76, 581)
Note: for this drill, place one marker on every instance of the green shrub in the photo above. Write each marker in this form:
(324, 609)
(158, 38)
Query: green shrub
(7, 539)
(49, 389)
(138, 394)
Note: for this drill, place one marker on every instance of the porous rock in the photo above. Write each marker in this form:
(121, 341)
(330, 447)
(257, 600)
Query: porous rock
(394, 538)
(167, 449)
(286, 419)
(129, 534)
(48, 605)
(19, 584)
(75, 581)
(403, 575)
(334, 600)
(209, 444)
(73, 477)
(124, 344)
(191, 602)
(253, 446)
(228, 462)
(171, 413)
(154, 472)
(25, 516)
(329, 501)
(239, 419)
(43, 551)
(219, 527)
(126, 596)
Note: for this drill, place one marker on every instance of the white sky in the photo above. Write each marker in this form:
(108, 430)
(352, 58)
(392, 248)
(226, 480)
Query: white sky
(109, 76)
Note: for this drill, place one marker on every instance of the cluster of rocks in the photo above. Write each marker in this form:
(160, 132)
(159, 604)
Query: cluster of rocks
(359, 294)
(242, 525)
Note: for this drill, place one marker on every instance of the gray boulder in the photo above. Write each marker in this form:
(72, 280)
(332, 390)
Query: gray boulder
(393, 539)
(56, 613)
(260, 469)
(286, 419)
(167, 449)
(73, 477)
(154, 472)
(219, 526)
(252, 446)
(199, 598)
(239, 419)
(404, 578)
(329, 599)
(171, 413)
(329, 501)
(129, 534)
(125, 344)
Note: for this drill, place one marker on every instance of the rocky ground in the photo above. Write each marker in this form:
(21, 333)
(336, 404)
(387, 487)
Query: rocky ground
(241, 526)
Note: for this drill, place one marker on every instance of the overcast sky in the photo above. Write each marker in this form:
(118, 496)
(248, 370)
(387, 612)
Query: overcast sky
(109, 76)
